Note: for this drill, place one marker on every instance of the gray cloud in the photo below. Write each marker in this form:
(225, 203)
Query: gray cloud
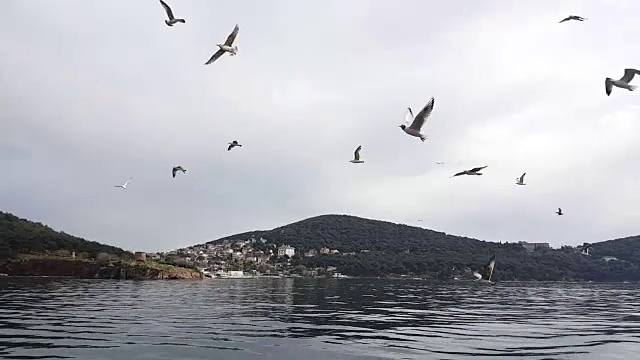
(96, 92)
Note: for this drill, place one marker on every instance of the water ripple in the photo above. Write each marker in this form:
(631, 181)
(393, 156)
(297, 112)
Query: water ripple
(53, 318)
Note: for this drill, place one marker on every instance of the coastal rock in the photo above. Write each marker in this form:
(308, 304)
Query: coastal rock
(85, 269)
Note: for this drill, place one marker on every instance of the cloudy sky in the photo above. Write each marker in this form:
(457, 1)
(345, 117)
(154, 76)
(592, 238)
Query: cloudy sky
(95, 92)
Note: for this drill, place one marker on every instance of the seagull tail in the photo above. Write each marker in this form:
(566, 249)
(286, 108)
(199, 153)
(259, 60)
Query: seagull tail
(422, 137)
(181, 20)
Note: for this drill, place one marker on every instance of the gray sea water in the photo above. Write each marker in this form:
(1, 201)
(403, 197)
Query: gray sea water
(287, 319)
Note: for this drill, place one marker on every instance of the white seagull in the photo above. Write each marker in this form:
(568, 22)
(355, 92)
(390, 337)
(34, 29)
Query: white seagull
(488, 271)
(226, 47)
(233, 144)
(124, 186)
(520, 180)
(623, 83)
(172, 20)
(356, 156)
(418, 121)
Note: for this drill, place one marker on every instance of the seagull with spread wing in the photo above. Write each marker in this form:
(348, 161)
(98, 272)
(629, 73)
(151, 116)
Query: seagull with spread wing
(520, 180)
(233, 144)
(124, 186)
(226, 47)
(573, 17)
(623, 83)
(418, 121)
(559, 212)
(474, 171)
(176, 169)
(172, 20)
(356, 156)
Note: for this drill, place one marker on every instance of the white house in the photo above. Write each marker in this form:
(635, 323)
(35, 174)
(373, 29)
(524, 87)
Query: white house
(286, 250)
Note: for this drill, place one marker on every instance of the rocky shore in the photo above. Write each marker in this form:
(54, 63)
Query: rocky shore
(88, 269)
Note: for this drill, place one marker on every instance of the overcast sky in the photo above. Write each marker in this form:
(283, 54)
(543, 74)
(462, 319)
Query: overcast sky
(95, 92)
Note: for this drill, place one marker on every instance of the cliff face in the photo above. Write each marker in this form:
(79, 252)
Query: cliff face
(94, 270)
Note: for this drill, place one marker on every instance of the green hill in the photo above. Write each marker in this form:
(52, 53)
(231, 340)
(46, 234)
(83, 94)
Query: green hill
(400, 249)
(20, 236)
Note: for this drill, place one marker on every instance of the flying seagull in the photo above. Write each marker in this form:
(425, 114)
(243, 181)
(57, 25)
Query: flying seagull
(124, 186)
(439, 163)
(488, 271)
(172, 20)
(623, 83)
(418, 121)
(520, 180)
(356, 156)
(176, 169)
(559, 212)
(573, 17)
(226, 47)
(233, 144)
(474, 171)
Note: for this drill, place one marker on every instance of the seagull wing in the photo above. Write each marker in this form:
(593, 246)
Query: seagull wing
(478, 168)
(408, 116)
(215, 57)
(126, 182)
(628, 75)
(356, 154)
(232, 36)
(422, 116)
(522, 177)
(461, 173)
(608, 86)
(173, 172)
(167, 9)
(488, 269)
(477, 276)
(230, 147)
(565, 19)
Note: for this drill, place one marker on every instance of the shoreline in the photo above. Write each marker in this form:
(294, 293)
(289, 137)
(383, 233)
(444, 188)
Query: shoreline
(42, 266)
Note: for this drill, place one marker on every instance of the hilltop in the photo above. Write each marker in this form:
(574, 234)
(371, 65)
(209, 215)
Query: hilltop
(366, 247)
(22, 236)
(30, 248)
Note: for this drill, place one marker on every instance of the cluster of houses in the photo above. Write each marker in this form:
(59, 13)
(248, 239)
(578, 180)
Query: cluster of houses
(235, 258)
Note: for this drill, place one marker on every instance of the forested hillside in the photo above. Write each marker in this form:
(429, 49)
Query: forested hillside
(21, 236)
(401, 249)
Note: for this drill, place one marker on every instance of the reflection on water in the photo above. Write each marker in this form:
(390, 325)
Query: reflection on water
(52, 318)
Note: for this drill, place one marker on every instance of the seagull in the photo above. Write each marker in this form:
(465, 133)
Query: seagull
(171, 20)
(573, 17)
(585, 249)
(124, 186)
(520, 180)
(418, 121)
(439, 163)
(233, 144)
(176, 169)
(474, 171)
(356, 156)
(488, 271)
(559, 212)
(623, 83)
(226, 47)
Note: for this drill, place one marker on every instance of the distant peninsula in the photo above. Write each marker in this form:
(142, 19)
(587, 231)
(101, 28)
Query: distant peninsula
(336, 245)
(32, 249)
